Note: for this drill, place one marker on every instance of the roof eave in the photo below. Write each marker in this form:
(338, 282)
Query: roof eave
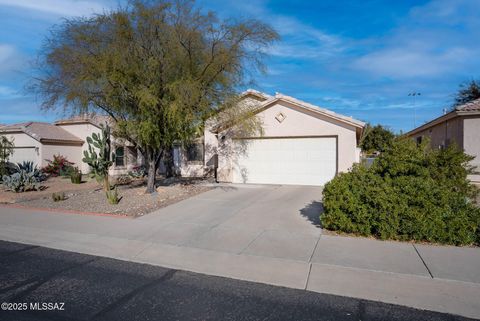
(75, 122)
(61, 141)
(442, 118)
(319, 110)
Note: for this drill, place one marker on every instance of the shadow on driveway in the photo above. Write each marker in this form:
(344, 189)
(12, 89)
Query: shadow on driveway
(312, 212)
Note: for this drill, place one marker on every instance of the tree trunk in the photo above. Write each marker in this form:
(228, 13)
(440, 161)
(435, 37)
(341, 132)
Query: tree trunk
(152, 170)
(106, 183)
(169, 164)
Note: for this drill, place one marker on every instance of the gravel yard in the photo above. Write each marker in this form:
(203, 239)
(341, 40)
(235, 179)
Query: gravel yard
(51, 185)
(89, 196)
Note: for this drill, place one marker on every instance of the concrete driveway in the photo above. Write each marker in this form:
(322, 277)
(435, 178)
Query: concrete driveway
(274, 221)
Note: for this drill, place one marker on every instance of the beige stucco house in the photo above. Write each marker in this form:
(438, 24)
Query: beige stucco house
(301, 144)
(460, 126)
(39, 142)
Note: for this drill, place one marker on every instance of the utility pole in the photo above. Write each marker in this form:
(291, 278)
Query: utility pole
(414, 94)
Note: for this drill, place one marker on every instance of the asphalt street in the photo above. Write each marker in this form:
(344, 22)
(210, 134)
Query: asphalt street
(47, 284)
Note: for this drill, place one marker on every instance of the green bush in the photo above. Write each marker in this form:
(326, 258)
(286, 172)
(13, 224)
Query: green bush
(21, 181)
(112, 196)
(411, 192)
(29, 167)
(58, 166)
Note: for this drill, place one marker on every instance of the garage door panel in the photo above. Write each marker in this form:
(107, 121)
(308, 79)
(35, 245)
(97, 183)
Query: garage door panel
(298, 161)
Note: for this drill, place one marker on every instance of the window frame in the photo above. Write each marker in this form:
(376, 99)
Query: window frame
(123, 157)
(201, 158)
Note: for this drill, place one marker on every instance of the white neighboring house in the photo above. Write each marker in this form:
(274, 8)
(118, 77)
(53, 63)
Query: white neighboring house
(302, 144)
(39, 141)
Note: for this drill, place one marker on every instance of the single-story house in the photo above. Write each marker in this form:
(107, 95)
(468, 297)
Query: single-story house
(460, 126)
(302, 144)
(39, 142)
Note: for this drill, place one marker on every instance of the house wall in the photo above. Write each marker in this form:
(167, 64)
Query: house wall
(297, 122)
(444, 133)
(471, 139)
(194, 168)
(82, 131)
(26, 148)
(73, 153)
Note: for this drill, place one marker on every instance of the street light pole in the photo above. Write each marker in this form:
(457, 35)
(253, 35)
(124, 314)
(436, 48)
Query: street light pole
(414, 94)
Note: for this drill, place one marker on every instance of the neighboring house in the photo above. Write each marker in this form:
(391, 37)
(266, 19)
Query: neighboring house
(302, 144)
(126, 156)
(460, 126)
(39, 142)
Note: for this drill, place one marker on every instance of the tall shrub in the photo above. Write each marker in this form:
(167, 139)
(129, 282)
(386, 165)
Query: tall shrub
(411, 192)
(6, 150)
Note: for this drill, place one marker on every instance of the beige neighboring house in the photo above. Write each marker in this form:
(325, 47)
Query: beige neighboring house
(460, 126)
(302, 144)
(39, 141)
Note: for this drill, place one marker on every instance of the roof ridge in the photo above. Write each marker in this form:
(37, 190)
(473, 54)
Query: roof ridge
(319, 109)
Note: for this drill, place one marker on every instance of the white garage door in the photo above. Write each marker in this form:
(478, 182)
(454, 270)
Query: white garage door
(296, 161)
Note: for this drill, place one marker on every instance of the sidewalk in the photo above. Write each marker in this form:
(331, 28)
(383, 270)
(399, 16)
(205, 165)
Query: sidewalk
(444, 279)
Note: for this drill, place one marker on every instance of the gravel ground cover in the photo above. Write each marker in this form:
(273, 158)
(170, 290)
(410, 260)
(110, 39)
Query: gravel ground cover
(51, 185)
(90, 197)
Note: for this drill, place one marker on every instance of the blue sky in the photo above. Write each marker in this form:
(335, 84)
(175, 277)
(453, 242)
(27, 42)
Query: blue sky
(358, 58)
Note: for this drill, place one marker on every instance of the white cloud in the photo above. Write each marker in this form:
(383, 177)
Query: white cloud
(7, 92)
(426, 44)
(11, 60)
(303, 41)
(298, 40)
(57, 7)
(6, 51)
(409, 61)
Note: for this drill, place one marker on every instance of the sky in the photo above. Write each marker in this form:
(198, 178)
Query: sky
(357, 58)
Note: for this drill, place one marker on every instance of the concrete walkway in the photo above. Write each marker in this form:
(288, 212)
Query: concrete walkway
(265, 234)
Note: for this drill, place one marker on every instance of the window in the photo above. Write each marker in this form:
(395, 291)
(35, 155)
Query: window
(195, 153)
(119, 156)
(419, 140)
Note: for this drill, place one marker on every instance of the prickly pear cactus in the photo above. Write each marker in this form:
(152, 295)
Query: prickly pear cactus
(99, 155)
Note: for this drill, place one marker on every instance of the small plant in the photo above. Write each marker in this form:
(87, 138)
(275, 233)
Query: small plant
(57, 197)
(76, 176)
(6, 150)
(59, 166)
(101, 162)
(21, 181)
(123, 180)
(112, 196)
(138, 172)
(29, 167)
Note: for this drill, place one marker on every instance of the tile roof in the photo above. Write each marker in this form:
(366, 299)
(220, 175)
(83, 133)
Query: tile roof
(42, 132)
(474, 105)
(93, 119)
(269, 100)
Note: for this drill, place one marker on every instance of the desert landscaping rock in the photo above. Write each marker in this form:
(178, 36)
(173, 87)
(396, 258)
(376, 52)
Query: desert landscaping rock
(51, 185)
(89, 197)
